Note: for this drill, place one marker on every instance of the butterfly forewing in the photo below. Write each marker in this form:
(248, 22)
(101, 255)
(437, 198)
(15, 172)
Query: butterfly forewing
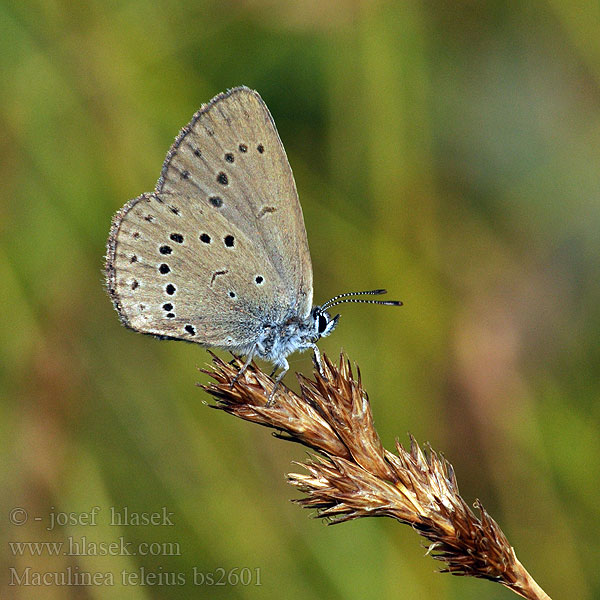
(220, 248)
(231, 158)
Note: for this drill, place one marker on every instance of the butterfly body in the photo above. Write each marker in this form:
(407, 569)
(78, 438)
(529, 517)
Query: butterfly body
(279, 339)
(218, 253)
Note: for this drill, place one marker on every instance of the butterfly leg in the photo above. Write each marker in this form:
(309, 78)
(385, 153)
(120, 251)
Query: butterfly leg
(317, 358)
(285, 367)
(244, 367)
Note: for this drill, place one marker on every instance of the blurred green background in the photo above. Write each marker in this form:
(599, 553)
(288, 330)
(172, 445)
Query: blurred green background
(449, 151)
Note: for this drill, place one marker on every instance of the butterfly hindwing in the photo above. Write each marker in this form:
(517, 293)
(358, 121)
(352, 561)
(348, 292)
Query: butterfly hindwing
(170, 277)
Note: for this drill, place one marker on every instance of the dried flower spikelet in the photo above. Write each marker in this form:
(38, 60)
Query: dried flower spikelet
(247, 397)
(354, 476)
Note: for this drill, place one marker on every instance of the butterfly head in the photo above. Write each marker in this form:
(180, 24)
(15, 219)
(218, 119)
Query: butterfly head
(278, 340)
(323, 322)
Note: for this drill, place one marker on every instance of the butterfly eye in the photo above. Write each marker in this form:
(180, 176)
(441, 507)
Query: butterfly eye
(323, 322)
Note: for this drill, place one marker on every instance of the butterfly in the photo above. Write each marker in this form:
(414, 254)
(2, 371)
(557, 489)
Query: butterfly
(217, 254)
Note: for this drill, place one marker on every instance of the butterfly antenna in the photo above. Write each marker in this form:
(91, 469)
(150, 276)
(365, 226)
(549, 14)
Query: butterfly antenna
(345, 298)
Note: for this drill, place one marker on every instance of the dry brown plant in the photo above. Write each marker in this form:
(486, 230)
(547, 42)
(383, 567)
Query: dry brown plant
(352, 475)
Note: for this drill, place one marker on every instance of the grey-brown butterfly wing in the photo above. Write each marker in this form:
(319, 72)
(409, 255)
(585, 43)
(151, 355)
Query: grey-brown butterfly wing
(220, 248)
(170, 277)
(231, 158)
